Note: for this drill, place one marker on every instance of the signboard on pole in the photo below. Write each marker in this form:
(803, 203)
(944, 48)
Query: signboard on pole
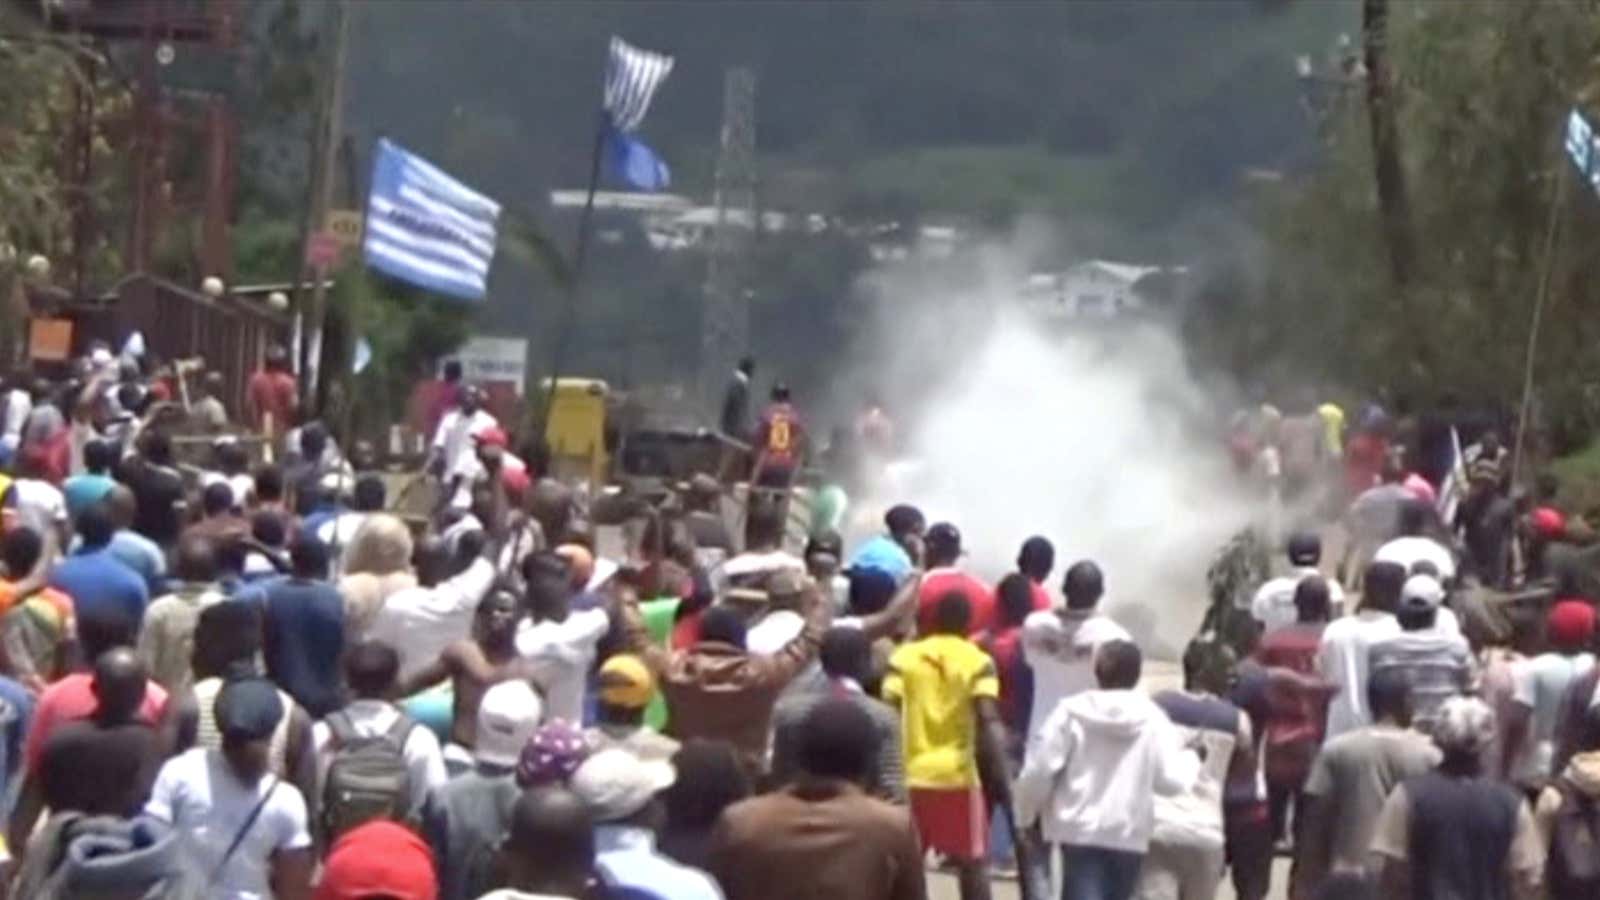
(345, 226)
(491, 360)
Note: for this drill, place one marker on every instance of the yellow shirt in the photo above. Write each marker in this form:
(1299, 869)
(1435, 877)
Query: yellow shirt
(935, 680)
(1332, 428)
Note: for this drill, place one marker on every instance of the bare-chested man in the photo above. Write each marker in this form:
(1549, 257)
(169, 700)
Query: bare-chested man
(473, 664)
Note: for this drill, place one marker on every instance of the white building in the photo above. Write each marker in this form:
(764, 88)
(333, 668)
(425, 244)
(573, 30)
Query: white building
(1094, 289)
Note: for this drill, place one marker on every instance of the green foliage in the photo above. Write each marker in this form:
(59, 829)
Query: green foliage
(1483, 92)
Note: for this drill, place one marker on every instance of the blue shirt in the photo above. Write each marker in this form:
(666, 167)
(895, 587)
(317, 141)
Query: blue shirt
(626, 858)
(140, 554)
(886, 555)
(303, 629)
(84, 491)
(101, 584)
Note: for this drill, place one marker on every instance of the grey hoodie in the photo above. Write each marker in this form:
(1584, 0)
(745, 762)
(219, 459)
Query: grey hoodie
(111, 859)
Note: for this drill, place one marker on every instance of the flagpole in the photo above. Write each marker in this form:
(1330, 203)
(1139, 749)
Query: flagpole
(1558, 193)
(574, 278)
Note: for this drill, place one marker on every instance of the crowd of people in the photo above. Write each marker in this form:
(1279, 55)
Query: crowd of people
(240, 678)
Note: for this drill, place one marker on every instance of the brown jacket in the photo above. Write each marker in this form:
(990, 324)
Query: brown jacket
(721, 692)
(818, 838)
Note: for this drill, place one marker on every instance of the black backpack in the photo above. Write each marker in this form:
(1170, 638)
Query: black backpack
(1574, 869)
(368, 778)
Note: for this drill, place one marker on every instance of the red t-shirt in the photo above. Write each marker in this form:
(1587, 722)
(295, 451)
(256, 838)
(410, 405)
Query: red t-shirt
(939, 582)
(71, 699)
(275, 393)
(780, 434)
(1363, 461)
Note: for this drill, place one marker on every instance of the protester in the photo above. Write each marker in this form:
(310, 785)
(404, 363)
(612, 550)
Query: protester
(846, 656)
(949, 694)
(370, 726)
(36, 621)
(895, 552)
(1350, 780)
(719, 689)
(129, 547)
(1455, 832)
(626, 689)
(1413, 547)
(158, 488)
(1059, 645)
(105, 764)
(1187, 853)
(95, 579)
(1295, 718)
(1273, 605)
(303, 630)
(249, 830)
(623, 795)
(1035, 561)
(1540, 684)
(1564, 815)
(944, 574)
(780, 442)
(91, 487)
(1438, 664)
(475, 665)
(166, 639)
(557, 637)
(272, 398)
(1344, 655)
(467, 817)
(419, 616)
(821, 834)
(379, 859)
(453, 456)
(219, 521)
(710, 780)
(549, 852)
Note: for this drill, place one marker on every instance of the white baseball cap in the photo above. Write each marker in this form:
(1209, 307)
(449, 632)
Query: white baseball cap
(507, 717)
(1422, 592)
(616, 784)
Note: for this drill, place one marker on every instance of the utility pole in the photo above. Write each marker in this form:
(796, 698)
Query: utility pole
(314, 317)
(725, 322)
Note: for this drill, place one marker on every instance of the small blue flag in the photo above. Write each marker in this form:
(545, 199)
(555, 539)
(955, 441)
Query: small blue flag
(633, 162)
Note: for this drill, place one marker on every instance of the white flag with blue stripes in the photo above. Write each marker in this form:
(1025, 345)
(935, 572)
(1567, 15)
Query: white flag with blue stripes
(427, 228)
(632, 76)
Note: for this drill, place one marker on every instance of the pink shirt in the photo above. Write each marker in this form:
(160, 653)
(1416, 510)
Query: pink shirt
(71, 699)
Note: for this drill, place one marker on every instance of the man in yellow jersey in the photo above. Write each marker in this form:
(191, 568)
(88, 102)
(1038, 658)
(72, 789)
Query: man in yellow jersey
(952, 734)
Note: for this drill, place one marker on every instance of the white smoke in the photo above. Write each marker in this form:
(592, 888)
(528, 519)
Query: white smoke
(1095, 435)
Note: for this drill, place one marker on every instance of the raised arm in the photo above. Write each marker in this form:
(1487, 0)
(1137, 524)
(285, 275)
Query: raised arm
(780, 668)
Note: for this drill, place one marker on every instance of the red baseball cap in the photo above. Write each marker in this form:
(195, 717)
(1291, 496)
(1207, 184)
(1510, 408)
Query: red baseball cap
(379, 859)
(1548, 523)
(1570, 624)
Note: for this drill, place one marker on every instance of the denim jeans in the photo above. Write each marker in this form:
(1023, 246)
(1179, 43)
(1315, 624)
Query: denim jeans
(1095, 873)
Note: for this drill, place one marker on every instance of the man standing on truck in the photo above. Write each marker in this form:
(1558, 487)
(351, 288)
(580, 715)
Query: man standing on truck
(779, 444)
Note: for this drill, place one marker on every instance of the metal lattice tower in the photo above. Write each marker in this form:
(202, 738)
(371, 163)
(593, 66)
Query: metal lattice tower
(725, 322)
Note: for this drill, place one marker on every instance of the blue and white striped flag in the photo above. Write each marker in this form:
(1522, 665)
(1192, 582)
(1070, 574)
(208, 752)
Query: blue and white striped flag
(632, 76)
(427, 228)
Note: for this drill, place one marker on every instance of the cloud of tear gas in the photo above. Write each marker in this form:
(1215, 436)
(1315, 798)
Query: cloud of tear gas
(1095, 435)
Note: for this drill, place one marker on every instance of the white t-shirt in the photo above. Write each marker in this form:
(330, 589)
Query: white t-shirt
(371, 718)
(1060, 648)
(775, 630)
(343, 527)
(1408, 551)
(570, 645)
(18, 405)
(1540, 684)
(199, 795)
(241, 485)
(1342, 660)
(1273, 605)
(419, 622)
(39, 504)
(453, 443)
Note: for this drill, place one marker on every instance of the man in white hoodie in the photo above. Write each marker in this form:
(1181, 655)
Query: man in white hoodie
(1092, 773)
